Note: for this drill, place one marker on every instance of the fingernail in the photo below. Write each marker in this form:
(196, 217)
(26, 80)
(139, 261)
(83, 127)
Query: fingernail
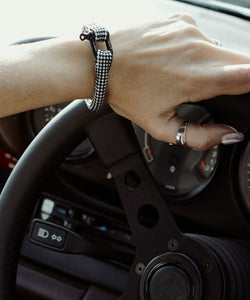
(232, 138)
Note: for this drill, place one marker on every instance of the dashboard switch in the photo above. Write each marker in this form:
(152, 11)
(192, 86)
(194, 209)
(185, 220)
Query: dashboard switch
(62, 239)
(49, 234)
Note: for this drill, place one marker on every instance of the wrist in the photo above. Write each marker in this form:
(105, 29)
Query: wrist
(67, 68)
(81, 69)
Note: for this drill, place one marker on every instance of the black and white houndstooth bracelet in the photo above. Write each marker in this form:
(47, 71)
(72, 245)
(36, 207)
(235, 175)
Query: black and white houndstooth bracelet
(103, 60)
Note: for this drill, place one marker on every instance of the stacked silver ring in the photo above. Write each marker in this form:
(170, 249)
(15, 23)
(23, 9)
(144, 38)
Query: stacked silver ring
(181, 134)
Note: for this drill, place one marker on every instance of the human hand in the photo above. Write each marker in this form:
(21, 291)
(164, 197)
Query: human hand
(158, 66)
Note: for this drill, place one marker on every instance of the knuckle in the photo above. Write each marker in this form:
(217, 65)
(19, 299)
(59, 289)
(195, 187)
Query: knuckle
(204, 145)
(184, 17)
(191, 30)
(188, 18)
(198, 45)
(205, 142)
(201, 136)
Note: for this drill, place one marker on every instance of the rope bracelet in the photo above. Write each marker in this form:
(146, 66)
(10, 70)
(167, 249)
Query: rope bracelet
(103, 60)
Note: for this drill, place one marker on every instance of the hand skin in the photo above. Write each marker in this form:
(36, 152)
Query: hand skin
(155, 68)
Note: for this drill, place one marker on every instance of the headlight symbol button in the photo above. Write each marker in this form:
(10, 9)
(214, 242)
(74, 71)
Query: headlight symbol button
(48, 234)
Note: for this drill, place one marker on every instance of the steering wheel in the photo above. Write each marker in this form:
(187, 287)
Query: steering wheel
(168, 263)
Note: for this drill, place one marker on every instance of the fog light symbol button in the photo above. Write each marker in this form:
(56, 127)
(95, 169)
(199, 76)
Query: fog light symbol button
(57, 238)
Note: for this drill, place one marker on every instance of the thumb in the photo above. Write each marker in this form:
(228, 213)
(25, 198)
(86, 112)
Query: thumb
(198, 136)
(205, 136)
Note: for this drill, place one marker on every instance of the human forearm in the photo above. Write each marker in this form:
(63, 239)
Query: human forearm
(44, 73)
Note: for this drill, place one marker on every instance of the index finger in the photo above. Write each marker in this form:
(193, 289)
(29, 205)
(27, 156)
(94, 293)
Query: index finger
(233, 79)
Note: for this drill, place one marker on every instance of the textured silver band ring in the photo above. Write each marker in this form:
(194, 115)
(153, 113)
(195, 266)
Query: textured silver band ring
(181, 134)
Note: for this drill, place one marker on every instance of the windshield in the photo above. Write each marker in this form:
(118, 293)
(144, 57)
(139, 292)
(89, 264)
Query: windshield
(240, 8)
(62, 17)
(242, 3)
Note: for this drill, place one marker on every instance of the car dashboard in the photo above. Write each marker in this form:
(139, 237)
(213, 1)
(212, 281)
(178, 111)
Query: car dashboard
(207, 192)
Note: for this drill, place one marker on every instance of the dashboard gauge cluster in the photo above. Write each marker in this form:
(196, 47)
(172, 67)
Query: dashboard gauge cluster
(181, 172)
(42, 116)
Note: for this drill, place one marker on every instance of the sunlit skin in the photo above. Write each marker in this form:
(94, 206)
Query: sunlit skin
(163, 65)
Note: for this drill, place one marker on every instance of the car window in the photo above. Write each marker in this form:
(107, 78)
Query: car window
(243, 3)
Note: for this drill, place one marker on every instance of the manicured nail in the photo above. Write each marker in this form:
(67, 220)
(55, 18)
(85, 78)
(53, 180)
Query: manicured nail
(232, 138)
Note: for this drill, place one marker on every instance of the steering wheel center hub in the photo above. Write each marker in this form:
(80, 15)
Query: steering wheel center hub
(170, 276)
(169, 282)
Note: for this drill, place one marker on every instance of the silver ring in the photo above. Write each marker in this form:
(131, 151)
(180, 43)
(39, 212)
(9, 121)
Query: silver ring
(181, 134)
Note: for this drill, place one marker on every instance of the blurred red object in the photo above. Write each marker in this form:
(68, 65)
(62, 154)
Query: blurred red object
(7, 160)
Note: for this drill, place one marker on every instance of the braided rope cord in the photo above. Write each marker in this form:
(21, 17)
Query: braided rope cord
(102, 68)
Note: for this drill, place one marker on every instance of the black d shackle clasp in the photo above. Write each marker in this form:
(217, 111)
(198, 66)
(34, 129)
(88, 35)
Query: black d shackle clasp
(93, 36)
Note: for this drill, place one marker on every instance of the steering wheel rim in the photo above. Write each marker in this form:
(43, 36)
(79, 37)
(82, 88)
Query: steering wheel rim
(25, 183)
(67, 130)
